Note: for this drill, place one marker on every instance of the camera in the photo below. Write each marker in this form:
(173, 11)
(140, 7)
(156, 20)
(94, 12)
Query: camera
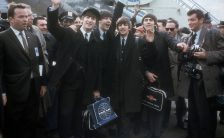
(189, 64)
(193, 70)
(189, 55)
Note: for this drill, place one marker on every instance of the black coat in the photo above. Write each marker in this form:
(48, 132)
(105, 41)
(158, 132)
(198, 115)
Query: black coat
(66, 50)
(128, 76)
(156, 59)
(106, 63)
(77, 61)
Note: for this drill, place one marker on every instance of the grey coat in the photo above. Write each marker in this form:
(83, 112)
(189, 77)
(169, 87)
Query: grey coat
(213, 43)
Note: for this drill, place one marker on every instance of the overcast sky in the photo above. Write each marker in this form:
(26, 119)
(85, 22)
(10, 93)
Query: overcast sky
(215, 7)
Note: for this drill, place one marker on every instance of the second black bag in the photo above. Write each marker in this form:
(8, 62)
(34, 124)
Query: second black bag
(153, 98)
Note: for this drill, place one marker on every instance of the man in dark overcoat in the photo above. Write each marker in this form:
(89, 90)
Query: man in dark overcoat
(77, 75)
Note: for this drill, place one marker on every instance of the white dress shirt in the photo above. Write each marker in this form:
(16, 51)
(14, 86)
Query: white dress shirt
(17, 33)
(84, 33)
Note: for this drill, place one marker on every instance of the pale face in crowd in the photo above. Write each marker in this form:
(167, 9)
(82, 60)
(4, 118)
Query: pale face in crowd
(20, 19)
(30, 17)
(171, 29)
(161, 28)
(78, 22)
(149, 24)
(42, 25)
(89, 22)
(194, 23)
(221, 29)
(105, 23)
(123, 29)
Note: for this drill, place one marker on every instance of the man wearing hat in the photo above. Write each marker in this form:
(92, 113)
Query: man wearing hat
(76, 68)
(207, 21)
(67, 18)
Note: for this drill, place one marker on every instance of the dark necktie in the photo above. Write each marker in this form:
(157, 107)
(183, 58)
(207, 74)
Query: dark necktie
(191, 43)
(25, 46)
(122, 49)
(104, 36)
(122, 43)
(86, 37)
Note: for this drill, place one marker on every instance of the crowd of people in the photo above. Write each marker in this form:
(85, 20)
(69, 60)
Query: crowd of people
(52, 67)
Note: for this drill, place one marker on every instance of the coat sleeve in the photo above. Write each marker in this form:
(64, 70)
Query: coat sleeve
(217, 41)
(118, 10)
(1, 64)
(171, 42)
(53, 26)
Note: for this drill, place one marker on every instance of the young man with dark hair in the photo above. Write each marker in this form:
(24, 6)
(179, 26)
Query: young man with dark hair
(161, 23)
(41, 23)
(199, 79)
(126, 98)
(76, 73)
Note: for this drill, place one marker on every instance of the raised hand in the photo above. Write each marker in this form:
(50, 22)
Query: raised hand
(55, 3)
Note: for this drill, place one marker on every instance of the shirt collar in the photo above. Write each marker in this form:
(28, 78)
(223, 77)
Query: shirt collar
(125, 38)
(16, 31)
(101, 32)
(198, 32)
(84, 32)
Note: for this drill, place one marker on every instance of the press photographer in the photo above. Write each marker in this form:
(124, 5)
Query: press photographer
(199, 75)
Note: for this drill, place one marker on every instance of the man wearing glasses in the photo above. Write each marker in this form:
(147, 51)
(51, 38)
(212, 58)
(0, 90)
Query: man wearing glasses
(172, 28)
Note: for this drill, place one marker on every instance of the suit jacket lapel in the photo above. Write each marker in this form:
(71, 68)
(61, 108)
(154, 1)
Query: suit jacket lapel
(202, 37)
(17, 42)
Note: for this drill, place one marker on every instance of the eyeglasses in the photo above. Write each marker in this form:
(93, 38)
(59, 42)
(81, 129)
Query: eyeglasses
(171, 29)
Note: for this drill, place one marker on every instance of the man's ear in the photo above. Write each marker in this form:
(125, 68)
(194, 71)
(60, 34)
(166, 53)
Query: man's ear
(10, 19)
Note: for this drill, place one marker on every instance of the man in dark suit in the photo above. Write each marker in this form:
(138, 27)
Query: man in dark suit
(199, 78)
(22, 75)
(105, 36)
(76, 73)
(126, 98)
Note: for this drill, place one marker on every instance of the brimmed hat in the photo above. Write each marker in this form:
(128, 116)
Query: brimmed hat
(67, 15)
(221, 24)
(207, 18)
(91, 11)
